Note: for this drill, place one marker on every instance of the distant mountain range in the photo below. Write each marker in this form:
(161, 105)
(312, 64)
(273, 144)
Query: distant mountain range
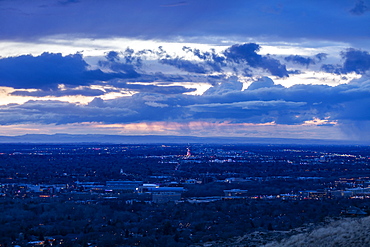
(151, 139)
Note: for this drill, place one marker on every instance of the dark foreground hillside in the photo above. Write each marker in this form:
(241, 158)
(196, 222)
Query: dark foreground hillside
(352, 232)
(346, 232)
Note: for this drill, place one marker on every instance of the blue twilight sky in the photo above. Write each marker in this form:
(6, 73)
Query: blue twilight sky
(246, 68)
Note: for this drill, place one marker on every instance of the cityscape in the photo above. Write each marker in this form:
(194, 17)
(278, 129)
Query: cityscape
(176, 194)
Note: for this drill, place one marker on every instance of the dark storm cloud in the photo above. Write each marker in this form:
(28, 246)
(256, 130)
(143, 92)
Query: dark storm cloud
(243, 56)
(50, 69)
(314, 101)
(357, 61)
(360, 8)
(263, 102)
(227, 102)
(247, 53)
(124, 70)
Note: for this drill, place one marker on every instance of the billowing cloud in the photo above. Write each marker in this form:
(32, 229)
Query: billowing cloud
(211, 58)
(49, 70)
(247, 53)
(210, 61)
(129, 64)
(263, 82)
(244, 56)
(355, 60)
(230, 85)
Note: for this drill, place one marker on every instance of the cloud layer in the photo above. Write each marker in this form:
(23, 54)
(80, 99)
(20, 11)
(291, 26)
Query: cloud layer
(262, 102)
(159, 87)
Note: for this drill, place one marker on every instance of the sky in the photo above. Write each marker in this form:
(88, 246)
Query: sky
(243, 68)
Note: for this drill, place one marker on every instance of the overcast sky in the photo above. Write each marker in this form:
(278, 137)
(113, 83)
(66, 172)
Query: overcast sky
(246, 68)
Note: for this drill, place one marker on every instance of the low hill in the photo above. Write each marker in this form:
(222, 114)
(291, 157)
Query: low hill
(346, 232)
(350, 232)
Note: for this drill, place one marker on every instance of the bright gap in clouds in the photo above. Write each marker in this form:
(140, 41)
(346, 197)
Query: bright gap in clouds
(304, 48)
(317, 78)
